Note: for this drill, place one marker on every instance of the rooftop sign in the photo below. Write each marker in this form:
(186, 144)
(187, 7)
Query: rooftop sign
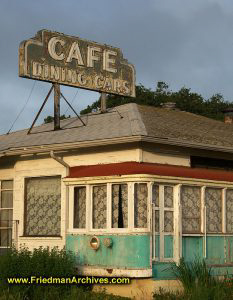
(58, 58)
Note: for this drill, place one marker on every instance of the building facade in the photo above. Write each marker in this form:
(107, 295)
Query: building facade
(130, 192)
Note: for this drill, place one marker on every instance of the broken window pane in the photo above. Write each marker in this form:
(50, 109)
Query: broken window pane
(43, 206)
(191, 209)
(119, 206)
(229, 211)
(6, 199)
(5, 237)
(6, 217)
(99, 206)
(80, 207)
(140, 205)
(213, 200)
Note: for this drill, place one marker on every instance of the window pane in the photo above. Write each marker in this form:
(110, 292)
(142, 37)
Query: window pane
(100, 206)
(5, 237)
(155, 195)
(168, 196)
(191, 208)
(213, 199)
(43, 206)
(6, 199)
(119, 206)
(140, 205)
(7, 184)
(168, 221)
(157, 220)
(80, 207)
(6, 217)
(229, 211)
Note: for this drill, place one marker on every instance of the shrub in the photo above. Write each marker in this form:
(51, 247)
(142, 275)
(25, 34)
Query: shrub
(40, 262)
(198, 283)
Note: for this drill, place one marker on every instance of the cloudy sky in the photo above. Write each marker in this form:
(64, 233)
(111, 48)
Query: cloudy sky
(182, 42)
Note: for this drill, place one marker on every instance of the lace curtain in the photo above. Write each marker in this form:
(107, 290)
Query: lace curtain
(99, 206)
(191, 209)
(140, 205)
(80, 207)
(43, 206)
(119, 206)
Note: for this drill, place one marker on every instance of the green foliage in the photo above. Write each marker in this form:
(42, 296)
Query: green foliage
(49, 119)
(40, 262)
(46, 263)
(191, 274)
(185, 100)
(198, 284)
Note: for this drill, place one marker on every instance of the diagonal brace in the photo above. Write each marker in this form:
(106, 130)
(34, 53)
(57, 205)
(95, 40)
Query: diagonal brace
(42, 106)
(73, 109)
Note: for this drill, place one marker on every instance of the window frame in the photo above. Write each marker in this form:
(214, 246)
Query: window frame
(7, 208)
(89, 209)
(161, 233)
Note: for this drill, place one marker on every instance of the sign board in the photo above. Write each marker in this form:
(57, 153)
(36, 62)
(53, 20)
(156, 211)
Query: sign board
(58, 58)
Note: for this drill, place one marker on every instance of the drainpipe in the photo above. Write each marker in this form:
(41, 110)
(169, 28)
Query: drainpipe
(60, 161)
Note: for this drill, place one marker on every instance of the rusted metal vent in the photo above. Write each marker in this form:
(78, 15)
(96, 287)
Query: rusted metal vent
(228, 115)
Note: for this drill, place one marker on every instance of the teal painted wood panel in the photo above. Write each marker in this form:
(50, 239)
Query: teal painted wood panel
(229, 249)
(168, 246)
(215, 253)
(127, 251)
(162, 270)
(192, 248)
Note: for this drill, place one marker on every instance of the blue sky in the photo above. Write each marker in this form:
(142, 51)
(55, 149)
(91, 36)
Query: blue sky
(182, 42)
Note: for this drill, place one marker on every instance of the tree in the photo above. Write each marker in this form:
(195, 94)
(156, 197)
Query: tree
(185, 100)
(49, 119)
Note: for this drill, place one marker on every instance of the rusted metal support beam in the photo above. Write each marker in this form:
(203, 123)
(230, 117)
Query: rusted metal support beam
(72, 109)
(57, 95)
(103, 106)
(42, 106)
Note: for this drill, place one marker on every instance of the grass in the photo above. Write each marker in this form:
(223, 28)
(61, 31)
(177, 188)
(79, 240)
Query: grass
(198, 284)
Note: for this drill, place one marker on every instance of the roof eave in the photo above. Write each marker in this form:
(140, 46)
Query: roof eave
(113, 141)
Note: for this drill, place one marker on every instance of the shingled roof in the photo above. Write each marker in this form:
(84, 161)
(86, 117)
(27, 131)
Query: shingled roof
(128, 122)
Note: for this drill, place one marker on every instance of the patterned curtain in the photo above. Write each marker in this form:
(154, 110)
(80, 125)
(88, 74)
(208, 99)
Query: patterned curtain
(99, 206)
(119, 206)
(140, 205)
(213, 199)
(43, 206)
(191, 209)
(80, 207)
(229, 211)
(168, 203)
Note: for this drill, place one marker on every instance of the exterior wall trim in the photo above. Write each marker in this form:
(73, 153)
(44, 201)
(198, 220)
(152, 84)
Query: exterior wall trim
(113, 272)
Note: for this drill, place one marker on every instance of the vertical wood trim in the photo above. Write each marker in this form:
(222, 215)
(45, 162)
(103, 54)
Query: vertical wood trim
(109, 206)
(71, 208)
(150, 219)
(224, 229)
(131, 205)
(203, 209)
(177, 225)
(90, 212)
(161, 222)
